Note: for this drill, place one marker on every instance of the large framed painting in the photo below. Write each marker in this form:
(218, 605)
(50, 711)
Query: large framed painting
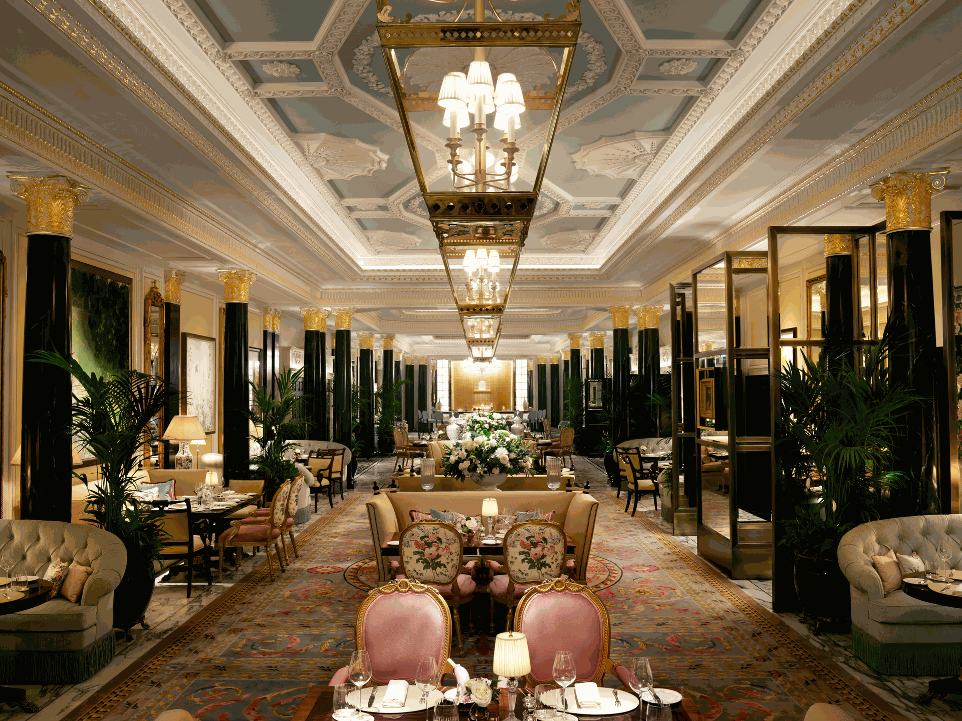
(198, 355)
(100, 322)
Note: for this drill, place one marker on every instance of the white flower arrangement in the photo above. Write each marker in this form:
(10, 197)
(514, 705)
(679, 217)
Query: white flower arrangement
(483, 424)
(499, 453)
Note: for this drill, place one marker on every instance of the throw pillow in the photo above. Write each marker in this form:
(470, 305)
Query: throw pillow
(888, 570)
(165, 489)
(525, 516)
(446, 516)
(910, 564)
(56, 573)
(73, 584)
(534, 515)
(417, 516)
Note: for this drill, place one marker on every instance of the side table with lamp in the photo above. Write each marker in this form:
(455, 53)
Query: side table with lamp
(184, 429)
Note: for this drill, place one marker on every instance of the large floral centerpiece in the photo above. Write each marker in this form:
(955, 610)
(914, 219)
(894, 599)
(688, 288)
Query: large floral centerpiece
(484, 424)
(498, 453)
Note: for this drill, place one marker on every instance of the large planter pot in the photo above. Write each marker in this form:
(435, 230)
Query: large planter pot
(823, 592)
(133, 594)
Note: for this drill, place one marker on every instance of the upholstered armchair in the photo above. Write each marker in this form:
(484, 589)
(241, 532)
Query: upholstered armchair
(534, 552)
(561, 615)
(245, 535)
(432, 553)
(398, 624)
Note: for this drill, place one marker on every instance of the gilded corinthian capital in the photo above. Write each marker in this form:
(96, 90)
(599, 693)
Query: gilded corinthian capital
(272, 320)
(908, 199)
(237, 285)
(620, 315)
(315, 318)
(366, 341)
(387, 341)
(647, 316)
(51, 200)
(596, 339)
(342, 318)
(173, 280)
(575, 340)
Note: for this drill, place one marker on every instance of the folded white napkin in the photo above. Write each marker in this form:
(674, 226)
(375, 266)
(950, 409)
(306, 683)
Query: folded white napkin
(461, 674)
(395, 695)
(587, 696)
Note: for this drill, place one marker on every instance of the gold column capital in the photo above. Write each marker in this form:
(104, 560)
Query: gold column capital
(387, 341)
(542, 360)
(647, 316)
(839, 244)
(908, 198)
(51, 200)
(434, 365)
(173, 280)
(596, 339)
(237, 285)
(272, 320)
(620, 315)
(315, 318)
(422, 360)
(366, 341)
(574, 339)
(342, 318)
(566, 355)
(553, 359)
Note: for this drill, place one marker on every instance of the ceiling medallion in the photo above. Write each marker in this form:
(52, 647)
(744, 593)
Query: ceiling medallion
(679, 66)
(337, 158)
(281, 69)
(482, 78)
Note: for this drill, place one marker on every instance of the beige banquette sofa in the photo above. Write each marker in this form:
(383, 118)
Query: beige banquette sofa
(895, 633)
(575, 512)
(60, 642)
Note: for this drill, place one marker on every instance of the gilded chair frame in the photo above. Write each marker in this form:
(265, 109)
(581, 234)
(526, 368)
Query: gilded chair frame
(560, 585)
(271, 521)
(509, 600)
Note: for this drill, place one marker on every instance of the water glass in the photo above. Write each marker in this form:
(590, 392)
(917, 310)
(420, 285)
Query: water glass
(21, 584)
(428, 468)
(548, 699)
(446, 710)
(655, 712)
(341, 708)
(553, 468)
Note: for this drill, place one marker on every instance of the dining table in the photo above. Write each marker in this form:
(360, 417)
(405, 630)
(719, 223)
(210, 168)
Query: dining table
(941, 594)
(212, 519)
(318, 702)
(37, 592)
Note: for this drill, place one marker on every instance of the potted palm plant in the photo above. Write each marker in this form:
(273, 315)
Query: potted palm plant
(279, 418)
(839, 421)
(389, 406)
(112, 422)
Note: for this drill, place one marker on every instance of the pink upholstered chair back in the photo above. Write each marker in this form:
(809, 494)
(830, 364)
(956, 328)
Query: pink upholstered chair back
(534, 551)
(400, 623)
(431, 552)
(562, 615)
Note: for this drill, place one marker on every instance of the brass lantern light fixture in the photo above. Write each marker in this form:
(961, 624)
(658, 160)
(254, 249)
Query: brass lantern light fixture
(484, 94)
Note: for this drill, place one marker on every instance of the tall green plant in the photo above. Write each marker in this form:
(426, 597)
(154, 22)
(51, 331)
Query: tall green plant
(573, 410)
(279, 419)
(838, 424)
(389, 408)
(112, 422)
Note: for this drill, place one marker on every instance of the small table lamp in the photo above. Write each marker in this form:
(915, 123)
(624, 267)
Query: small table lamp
(210, 479)
(489, 509)
(184, 429)
(512, 661)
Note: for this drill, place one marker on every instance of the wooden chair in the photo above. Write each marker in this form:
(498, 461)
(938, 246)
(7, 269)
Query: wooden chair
(290, 510)
(185, 543)
(562, 446)
(327, 465)
(642, 478)
(247, 535)
(404, 452)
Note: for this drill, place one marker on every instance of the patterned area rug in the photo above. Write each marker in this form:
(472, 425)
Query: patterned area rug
(253, 653)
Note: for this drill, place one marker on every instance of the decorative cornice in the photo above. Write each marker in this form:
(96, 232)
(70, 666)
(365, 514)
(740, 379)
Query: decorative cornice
(173, 280)
(50, 202)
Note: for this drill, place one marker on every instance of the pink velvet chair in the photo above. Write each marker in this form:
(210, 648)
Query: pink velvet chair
(398, 624)
(561, 615)
(534, 552)
(432, 553)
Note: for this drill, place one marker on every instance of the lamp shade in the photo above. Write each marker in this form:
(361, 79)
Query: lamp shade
(453, 93)
(210, 479)
(463, 120)
(489, 507)
(511, 658)
(184, 428)
(499, 86)
(479, 78)
(512, 99)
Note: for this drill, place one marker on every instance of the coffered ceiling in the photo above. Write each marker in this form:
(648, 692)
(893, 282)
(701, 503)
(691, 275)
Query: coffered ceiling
(262, 132)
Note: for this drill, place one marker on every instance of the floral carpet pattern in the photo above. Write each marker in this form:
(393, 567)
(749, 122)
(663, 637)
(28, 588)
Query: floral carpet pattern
(252, 654)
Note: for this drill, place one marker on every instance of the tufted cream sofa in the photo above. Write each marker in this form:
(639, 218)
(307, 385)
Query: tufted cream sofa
(895, 633)
(60, 642)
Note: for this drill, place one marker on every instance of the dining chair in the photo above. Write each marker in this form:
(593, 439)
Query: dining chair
(561, 615)
(327, 465)
(638, 476)
(432, 553)
(246, 486)
(290, 510)
(534, 552)
(404, 452)
(247, 535)
(560, 446)
(184, 543)
(399, 624)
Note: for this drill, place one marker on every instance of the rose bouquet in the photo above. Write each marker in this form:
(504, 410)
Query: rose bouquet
(481, 455)
(484, 424)
(478, 691)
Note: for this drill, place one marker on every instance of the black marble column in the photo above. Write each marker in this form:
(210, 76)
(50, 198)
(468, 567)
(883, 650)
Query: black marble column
(270, 351)
(171, 362)
(315, 373)
(649, 368)
(342, 377)
(365, 428)
(597, 356)
(46, 460)
(422, 392)
(409, 392)
(620, 372)
(840, 297)
(234, 395)
(576, 357)
(542, 398)
(530, 387)
(690, 488)
(565, 376)
(555, 381)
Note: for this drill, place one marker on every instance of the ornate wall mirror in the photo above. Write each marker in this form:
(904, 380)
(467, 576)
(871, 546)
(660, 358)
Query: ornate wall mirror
(154, 364)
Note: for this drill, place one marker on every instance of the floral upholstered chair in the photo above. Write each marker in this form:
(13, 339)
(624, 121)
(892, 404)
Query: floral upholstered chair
(265, 533)
(561, 615)
(432, 553)
(534, 551)
(399, 624)
(290, 509)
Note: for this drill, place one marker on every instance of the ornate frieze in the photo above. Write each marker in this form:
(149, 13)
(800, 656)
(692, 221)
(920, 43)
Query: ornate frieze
(237, 285)
(50, 202)
(908, 199)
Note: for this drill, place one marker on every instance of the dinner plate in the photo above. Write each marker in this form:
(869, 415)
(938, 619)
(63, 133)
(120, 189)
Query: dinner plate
(411, 704)
(914, 581)
(628, 702)
(491, 542)
(13, 596)
(665, 694)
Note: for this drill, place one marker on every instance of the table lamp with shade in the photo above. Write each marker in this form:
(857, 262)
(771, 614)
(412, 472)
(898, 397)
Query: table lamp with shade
(489, 509)
(511, 660)
(184, 429)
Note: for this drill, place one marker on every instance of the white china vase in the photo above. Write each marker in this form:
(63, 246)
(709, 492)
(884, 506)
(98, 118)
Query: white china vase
(491, 481)
(453, 430)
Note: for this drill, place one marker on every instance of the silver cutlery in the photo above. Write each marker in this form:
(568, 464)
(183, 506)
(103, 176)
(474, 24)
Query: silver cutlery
(657, 697)
(617, 702)
(370, 701)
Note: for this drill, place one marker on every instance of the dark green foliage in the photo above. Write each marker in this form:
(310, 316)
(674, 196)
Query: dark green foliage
(280, 419)
(574, 406)
(388, 402)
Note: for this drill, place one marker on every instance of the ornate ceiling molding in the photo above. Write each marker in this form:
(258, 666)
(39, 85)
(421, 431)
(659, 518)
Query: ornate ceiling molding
(679, 66)
(283, 70)
(440, 296)
(621, 156)
(343, 158)
(569, 240)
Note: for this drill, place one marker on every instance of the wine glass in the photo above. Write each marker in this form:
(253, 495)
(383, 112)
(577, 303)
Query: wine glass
(427, 679)
(7, 563)
(944, 554)
(360, 674)
(564, 674)
(643, 678)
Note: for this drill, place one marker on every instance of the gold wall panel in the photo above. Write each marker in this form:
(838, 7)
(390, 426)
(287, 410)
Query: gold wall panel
(499, 380)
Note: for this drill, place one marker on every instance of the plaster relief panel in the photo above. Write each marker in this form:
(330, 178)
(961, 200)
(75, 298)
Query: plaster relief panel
(337, 158)
(622, 156)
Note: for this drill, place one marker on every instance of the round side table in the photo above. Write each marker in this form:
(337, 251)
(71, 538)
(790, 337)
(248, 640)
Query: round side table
(943, 686)
(38, 592)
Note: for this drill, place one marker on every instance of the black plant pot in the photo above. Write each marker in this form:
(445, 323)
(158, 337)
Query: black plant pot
(823, 592)
(612, 469)
(133, 595)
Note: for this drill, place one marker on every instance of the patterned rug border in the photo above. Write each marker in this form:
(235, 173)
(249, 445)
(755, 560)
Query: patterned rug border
(115, 691)
(864, 700)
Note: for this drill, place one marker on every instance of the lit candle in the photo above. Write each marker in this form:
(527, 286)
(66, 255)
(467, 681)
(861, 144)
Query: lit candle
(511, 123)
